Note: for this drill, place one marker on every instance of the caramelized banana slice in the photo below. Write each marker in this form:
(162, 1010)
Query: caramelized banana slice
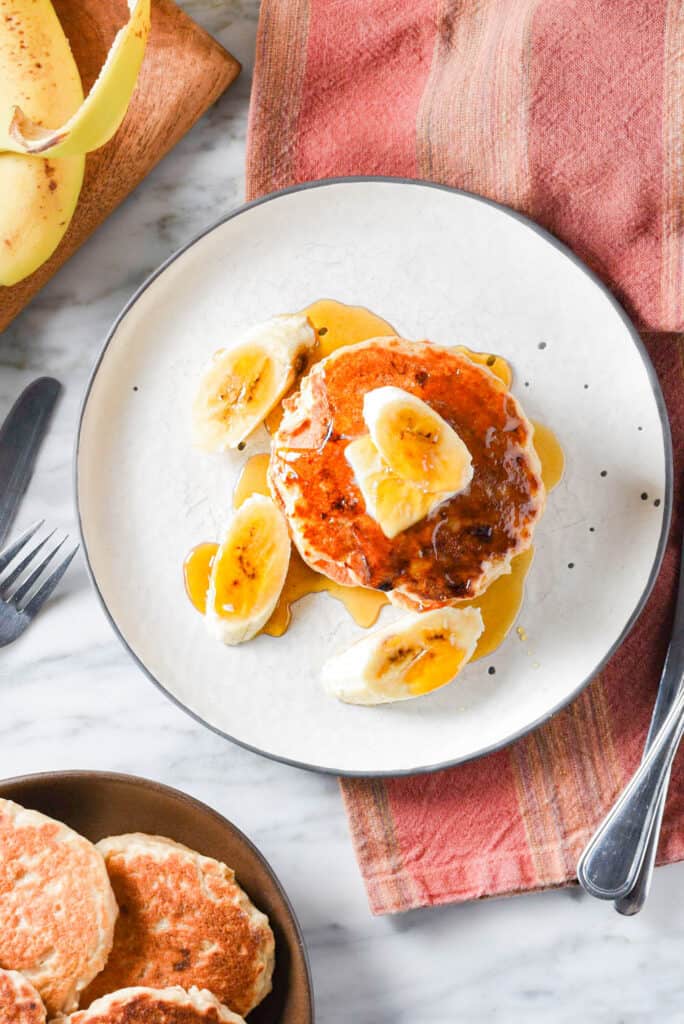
(242, 384)
(393, 502)
(248, 571)
(415, 442)
(409, 658)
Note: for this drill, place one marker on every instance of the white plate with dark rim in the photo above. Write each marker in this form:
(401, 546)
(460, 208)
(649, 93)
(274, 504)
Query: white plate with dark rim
(435, 263)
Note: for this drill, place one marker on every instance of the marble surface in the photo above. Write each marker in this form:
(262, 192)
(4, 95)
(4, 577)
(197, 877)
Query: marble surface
(70, 698)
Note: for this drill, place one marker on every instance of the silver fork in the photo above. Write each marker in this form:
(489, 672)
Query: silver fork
(618, 860)
(21, 595)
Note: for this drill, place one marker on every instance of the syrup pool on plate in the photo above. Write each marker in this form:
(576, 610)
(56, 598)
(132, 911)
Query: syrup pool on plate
(196, 572)
(337, 325)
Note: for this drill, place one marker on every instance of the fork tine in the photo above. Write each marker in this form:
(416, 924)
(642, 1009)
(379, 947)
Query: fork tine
(16, 573)
(8, 553)
(41, 596)
(21, 592)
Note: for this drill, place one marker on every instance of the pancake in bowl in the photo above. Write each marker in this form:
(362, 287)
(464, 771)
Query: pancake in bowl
(184, 921)
(140, 1005)
(466, 542)
(57, 908)
(19, 1000)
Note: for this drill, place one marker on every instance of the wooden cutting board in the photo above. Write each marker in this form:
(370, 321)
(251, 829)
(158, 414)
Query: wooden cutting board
(183, 73)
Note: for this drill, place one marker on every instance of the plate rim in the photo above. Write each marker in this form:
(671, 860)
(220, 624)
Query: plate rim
(652, 378)
(141, 782)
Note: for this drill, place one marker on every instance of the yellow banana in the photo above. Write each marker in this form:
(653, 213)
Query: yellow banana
(42, 110)
(99, 116)
(38, 196)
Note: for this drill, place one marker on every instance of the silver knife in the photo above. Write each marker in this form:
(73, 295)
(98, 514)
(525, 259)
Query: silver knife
(21, 436)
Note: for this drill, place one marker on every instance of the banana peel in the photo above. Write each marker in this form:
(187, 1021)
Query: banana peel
(103, 110)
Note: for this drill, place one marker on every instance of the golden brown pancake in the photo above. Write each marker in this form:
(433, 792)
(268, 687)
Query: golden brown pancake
(141, 1005)
(19, 1001)
(57, 908)
(464, 544)
(185, 921)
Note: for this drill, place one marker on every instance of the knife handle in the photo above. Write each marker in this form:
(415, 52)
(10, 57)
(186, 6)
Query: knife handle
(21, 436)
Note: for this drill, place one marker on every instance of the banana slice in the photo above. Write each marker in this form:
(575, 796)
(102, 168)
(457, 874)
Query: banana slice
(393, 502)
(416, 442)
(248, 572)
(242, 384)
(409, 658)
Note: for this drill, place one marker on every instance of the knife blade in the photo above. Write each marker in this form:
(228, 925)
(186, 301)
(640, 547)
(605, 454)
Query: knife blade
(21, 436)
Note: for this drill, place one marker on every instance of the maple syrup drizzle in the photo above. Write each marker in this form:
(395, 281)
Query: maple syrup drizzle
(500, 604)
(252, 479)
(502, 600)
(337, 325)
(495, 364)
(550, 455)
(196, 573)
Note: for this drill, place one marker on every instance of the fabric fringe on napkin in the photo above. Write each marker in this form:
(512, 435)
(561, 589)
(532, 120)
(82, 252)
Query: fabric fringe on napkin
(571, 111)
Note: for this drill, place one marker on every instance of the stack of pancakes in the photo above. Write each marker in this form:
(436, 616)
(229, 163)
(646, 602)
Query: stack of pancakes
(135, 929)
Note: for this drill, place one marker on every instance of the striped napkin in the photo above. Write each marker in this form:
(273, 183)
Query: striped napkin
(571, 111)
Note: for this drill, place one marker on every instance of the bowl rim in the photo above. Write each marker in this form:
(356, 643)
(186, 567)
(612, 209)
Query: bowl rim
(652, 380)
(141, 782)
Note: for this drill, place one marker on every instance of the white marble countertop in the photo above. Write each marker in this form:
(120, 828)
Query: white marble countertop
(71, 698)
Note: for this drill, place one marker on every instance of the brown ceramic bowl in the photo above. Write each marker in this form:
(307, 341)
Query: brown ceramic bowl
(99, 804)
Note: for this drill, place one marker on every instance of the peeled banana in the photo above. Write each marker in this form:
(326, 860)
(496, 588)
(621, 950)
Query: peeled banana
(409, 658)
(38, 196)
(394, 503)
(99, 116)
(242, 384)
(248, 571)
(42, 110)
(416, 442)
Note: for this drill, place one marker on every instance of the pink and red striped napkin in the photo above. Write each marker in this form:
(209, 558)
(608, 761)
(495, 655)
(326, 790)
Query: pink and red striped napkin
(571, 111)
